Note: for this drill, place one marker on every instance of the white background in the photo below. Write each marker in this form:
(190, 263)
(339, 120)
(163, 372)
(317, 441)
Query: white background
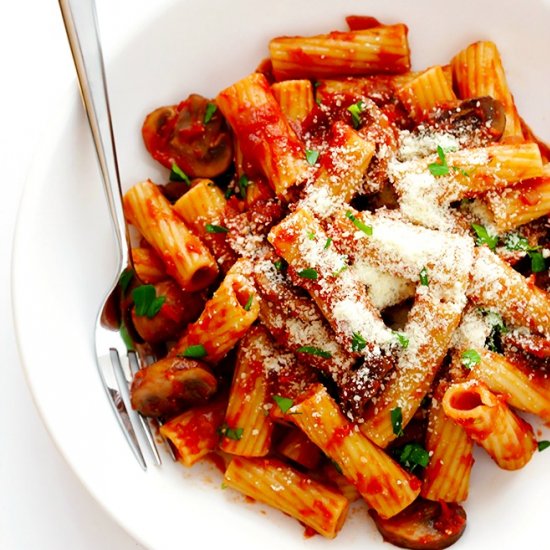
(43, 506)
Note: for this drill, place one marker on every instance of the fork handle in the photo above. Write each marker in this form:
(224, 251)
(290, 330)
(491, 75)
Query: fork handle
(80, 19)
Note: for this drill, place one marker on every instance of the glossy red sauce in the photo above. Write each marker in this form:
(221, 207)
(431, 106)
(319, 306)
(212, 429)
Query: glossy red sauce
(362, 22)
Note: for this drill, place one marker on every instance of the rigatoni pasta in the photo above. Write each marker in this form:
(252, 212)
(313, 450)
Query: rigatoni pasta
(383, 303)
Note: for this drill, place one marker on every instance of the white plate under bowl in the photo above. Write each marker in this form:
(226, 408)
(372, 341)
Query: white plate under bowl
(64, 261)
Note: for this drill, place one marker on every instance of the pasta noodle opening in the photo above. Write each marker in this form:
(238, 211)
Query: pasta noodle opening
(466, 400)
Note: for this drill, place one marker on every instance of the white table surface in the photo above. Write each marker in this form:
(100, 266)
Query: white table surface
(43, 506)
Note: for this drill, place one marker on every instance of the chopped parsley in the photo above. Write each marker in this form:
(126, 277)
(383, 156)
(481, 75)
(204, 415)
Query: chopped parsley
(177, 174)
(470, 358)
(356, 109)
(366, 229)
(484, 237)
(358, 343)
(125, 279)
(197, 351)
(312, 350)
(243, 184)
(312, 156)
(424, 281)
(248, 304)
(327, 244)
(403, 339)
(211, 228)
(397, 421)
(146, 301)
(498, 328)
(439, 168)
(413, 455)
(284, 403)
(309, 273)
(211, 108)
(543, 445)
(231, 433)
(311, 235)
(515, 241)
(279, 264)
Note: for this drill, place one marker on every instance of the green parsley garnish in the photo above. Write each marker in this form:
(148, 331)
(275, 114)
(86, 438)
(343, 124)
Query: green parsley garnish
(211, 108)
(309, 273)
(327, 244)
(366, 229)
(340, 270)
(243, 184)
(397, 421)
(279, 264)
(543, 445)
(125, 279)
(316, 84)
(413, 455)
(311, 235)
(470, 358)
(424, 281)
(498, 328)
(125, 335)
(231, 433)
(312, 350)
(211, 228)
(356, 109)
(284, 403)
(483, 236)
(228, 193)
(358, 343)
(403, 339)
(146, 301)
(197, 351)
(514, 241)
(248, 304)
(177, 174)
(312, 156)
(439, 168)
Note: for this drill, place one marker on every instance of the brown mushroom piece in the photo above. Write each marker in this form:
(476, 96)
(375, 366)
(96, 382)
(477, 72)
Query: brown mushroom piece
(168, 386)
(193, 135)
(424, 525)
(482, 119)
(178, 309)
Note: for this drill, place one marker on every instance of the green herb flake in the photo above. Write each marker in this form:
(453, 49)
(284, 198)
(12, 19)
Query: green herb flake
(538, 262)
(328, 243)
(424, 281)
(146, 301)
(211, 108)
(356, 109)
(358, 343)
(231, 433)
(248, 304)
(211, 228)
(414, 455)
(309, 273)
(498, 328)
(197, 351)
(125, 335)
(243, 185)
(403, 339)
(366, 229)
(125, 279)
(311, 235)
(484, 237)
(340, 270)
(470, 358)
(312, 350)
(439, 168)
(312, 156)
(177, 174)
(284, 403)
(397, 421)
(279, 264)
(543, 445)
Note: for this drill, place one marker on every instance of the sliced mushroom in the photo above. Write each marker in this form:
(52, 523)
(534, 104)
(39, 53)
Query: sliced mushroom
(424, 525)
(166, 387)
(191, 135)
(178, 309)
(481, 119)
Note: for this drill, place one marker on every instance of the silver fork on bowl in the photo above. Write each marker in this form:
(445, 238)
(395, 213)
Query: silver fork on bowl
(116, 360)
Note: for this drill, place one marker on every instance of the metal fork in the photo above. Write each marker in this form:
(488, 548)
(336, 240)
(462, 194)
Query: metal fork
(116, 364)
